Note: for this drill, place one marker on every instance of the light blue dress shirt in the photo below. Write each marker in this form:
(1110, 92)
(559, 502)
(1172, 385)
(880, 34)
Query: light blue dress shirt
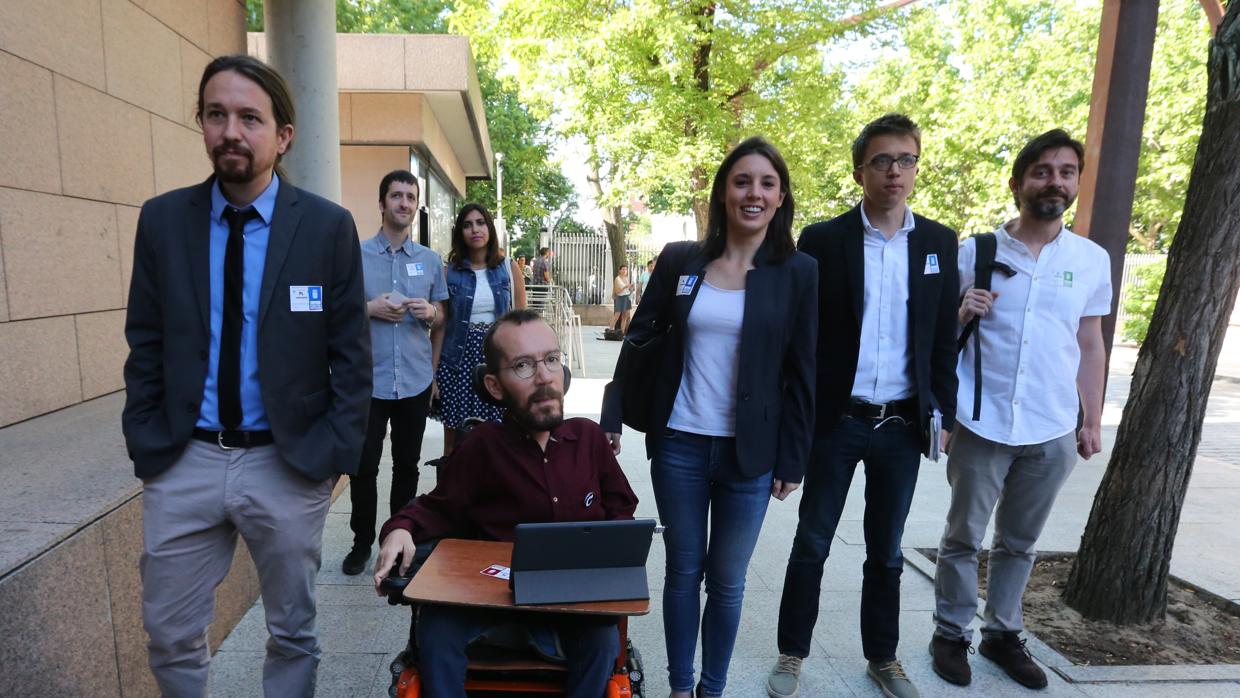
(257, 232)
(401, 350)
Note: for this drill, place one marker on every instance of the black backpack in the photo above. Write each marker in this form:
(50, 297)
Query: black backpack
(984, 265)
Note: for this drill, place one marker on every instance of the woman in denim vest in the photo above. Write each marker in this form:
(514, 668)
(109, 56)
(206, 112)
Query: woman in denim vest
(482, 285)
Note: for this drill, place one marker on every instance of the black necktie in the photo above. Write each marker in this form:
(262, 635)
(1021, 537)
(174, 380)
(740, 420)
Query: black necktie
(230, 334)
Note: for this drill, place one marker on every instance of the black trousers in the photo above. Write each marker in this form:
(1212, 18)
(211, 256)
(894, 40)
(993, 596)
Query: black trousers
(891, 452)
(408, 419)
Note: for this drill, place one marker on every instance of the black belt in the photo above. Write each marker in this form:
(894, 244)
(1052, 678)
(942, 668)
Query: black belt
(905, 409)
(229, 440)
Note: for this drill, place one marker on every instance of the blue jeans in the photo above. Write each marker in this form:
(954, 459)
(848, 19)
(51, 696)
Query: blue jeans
(892, 456)
(696, 477)
(591, 645)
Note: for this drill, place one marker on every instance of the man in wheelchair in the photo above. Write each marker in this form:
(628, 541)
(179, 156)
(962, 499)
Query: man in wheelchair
(533, 467)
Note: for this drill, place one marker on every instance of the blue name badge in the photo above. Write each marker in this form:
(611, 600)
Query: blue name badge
(685, 286)
(932, 264)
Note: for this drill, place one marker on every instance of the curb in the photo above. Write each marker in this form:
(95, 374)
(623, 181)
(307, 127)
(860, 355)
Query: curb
(1073, 673)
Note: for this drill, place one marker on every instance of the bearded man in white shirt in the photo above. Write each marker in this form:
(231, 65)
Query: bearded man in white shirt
(1042, 359)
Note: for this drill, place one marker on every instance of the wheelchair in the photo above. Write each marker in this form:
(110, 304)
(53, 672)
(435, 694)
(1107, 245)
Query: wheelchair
(502, 668)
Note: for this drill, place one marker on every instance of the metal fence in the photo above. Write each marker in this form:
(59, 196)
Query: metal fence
(1131, 263)
(583, 266)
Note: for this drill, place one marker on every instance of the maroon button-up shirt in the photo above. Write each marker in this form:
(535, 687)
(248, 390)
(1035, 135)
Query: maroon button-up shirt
(499, 477)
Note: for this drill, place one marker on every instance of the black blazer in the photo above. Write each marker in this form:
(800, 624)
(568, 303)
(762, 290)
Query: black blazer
(314, 367)
(774, 399)
(837, 244)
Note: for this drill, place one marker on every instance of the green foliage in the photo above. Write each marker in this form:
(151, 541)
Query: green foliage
(1140, 297)
(660, 91)
(533, 184)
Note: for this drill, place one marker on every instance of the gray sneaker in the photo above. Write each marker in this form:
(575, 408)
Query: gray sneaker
(784, 678)
(890, 677)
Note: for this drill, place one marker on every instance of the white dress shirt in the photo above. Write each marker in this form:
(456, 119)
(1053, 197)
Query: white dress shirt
(885, 361)
(1030, 353)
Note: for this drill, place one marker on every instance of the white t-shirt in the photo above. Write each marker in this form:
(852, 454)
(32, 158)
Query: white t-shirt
(484, 299)
(1030, 353)
(706, 400)
(885, 360)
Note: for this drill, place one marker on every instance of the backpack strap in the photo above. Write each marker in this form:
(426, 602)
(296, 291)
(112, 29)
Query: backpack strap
(986, 246)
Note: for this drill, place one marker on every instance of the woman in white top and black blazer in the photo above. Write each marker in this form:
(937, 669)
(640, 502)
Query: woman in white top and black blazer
(732, 412)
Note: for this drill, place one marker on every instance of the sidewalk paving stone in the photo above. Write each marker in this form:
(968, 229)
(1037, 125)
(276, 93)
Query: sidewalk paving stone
(361, 633)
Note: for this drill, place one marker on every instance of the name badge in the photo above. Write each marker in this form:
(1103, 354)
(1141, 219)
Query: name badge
(932, 264)
(685, 286)
(305, 299)
(415, 269)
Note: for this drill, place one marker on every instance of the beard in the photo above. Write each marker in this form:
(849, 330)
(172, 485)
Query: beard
(1045, 207)
(545, 419)
(236, 174)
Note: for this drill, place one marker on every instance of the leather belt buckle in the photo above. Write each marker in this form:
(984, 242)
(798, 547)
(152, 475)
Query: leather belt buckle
(882, 410)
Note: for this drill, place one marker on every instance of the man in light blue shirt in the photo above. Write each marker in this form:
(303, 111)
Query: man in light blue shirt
(405, 286)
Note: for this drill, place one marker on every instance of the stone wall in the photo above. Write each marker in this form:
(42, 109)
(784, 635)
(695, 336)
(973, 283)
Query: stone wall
(97, 101)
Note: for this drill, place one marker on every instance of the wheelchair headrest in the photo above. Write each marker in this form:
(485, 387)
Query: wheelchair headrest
(480, 372)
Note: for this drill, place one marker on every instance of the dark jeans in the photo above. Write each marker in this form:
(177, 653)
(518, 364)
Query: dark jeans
(408, 418)
(591, 645)
(713, 515)
(892, 455)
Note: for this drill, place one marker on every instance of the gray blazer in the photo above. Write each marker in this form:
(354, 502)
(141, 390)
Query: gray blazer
(314, 367)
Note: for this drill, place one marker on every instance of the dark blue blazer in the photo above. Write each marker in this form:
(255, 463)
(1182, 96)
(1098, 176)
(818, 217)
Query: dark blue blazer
(314, 367)
(774, 392)
(838, 245)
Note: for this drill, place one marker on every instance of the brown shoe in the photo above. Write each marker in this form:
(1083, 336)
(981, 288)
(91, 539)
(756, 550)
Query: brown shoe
(1008, 651)
(951, 659)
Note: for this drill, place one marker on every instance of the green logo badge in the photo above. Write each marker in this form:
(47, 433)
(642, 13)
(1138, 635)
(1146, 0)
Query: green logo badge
(1067, 278)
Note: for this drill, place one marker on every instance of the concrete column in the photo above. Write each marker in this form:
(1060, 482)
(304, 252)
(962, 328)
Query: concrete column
(301, 44)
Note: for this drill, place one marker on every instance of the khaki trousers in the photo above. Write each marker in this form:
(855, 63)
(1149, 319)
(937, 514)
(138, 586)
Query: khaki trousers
(191, 515)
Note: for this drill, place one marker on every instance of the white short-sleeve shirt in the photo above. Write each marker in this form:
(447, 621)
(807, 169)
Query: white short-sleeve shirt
(1030, 353)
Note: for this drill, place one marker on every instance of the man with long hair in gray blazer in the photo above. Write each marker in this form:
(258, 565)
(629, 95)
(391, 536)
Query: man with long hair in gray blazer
(248, 382)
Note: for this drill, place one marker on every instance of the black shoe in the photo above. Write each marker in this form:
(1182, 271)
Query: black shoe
(355, 561)
(951, 659)
(1008, 651)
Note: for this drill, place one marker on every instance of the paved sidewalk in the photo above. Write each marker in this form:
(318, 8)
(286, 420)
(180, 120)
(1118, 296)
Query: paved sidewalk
(361, 633)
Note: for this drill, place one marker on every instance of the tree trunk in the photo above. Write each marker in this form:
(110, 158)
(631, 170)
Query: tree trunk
(1120, 574)
(612, 220)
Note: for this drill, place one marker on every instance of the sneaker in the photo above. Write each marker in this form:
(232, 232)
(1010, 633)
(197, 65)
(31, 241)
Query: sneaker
(785, 678)
(355, 561)
(1008, 651)
(951, 659)
(890, 677)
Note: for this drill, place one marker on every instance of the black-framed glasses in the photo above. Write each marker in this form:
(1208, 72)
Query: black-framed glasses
(882, 163)
(525, 367)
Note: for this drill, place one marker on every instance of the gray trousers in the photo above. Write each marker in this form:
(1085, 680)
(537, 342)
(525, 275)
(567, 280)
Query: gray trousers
(1024, 481)
(191, 515)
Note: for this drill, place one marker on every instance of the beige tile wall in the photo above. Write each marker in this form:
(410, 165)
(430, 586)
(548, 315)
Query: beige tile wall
(97, 101)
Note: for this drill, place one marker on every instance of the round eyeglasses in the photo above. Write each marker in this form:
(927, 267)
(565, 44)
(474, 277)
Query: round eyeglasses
(524, 367)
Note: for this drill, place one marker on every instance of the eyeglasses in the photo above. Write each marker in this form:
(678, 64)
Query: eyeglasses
(882, 163)
(524, 367)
